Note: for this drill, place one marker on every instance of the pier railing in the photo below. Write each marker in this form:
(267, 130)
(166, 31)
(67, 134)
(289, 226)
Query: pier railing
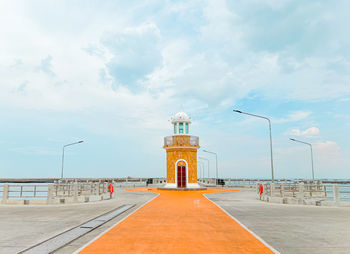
(53, 193)
(26, 191)
(231, 182)
(69, 190)
(317, 192)
(291, 191)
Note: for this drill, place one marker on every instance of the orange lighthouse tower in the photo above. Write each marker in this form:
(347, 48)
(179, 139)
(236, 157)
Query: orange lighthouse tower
(181, 153)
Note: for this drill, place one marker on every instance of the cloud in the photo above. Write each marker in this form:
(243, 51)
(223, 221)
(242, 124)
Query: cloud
(313, 131)
(329, 158)
(294, 117)
(134, 52)
(213, 66)
(329, 147)
(123, 68)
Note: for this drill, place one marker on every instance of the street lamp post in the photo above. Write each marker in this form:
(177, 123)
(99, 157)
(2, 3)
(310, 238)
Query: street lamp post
(81, 141)
(312, 156)
(216, 160)
(202, 158)
(263, 117)
(201, 171)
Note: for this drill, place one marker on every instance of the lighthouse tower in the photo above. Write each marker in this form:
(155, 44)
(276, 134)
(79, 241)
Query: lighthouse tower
(181, 153)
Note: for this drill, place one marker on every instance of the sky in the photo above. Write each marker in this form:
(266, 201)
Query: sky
(113, 73)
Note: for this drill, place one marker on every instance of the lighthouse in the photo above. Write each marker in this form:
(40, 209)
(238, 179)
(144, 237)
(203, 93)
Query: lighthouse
(181, 154)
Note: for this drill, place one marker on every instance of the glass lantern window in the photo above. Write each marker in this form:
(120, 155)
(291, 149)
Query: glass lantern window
(181, 128)
(175, 128)
(187, 128)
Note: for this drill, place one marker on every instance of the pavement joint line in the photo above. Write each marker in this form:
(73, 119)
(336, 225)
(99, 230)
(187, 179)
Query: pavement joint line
(111, 227)
(242, 225)
(77, 229)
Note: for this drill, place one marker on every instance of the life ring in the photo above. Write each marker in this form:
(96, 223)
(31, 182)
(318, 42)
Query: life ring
(110, 188)
(261, 189)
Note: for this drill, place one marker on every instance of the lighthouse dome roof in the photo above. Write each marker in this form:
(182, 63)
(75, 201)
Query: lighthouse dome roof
(181, 117)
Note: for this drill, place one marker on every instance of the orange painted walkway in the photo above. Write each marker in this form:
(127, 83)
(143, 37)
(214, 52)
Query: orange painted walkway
(178, 222)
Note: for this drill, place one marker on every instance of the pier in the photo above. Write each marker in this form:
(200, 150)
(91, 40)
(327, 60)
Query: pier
(303, 226)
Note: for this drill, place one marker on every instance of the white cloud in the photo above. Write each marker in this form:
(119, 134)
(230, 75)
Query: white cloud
(294, 117)
(313, 131)
(214, 67)
(329, 159)
(327, 147)
(127, 67)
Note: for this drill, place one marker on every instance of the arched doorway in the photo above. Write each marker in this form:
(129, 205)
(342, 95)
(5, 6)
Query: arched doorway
(181, 174)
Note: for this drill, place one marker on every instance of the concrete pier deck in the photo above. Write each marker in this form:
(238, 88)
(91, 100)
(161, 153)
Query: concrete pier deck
(291, 229)
(287, 228)
(24, 226)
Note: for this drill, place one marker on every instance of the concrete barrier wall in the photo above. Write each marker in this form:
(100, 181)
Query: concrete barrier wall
(58, 193)
(316, 193)
(68, 191)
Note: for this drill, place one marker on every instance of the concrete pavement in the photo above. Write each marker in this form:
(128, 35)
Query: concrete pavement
(24, 226)
(287, 228)
(290, 228)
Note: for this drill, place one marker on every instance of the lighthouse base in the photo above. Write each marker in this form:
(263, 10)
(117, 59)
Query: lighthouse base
(190, 186)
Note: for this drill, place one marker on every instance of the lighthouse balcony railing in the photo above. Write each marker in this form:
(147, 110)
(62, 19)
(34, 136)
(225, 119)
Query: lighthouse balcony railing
(181, 140)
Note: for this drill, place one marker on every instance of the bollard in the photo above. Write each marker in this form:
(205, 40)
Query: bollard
(336, 194)
(5, 193)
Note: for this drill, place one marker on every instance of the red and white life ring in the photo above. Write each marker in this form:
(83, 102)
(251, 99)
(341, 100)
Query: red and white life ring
(110, 188)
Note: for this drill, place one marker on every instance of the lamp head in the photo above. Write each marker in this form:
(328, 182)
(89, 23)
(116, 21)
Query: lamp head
(237, 111)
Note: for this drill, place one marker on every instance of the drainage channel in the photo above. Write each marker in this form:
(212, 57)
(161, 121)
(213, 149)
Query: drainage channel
(61, 240)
